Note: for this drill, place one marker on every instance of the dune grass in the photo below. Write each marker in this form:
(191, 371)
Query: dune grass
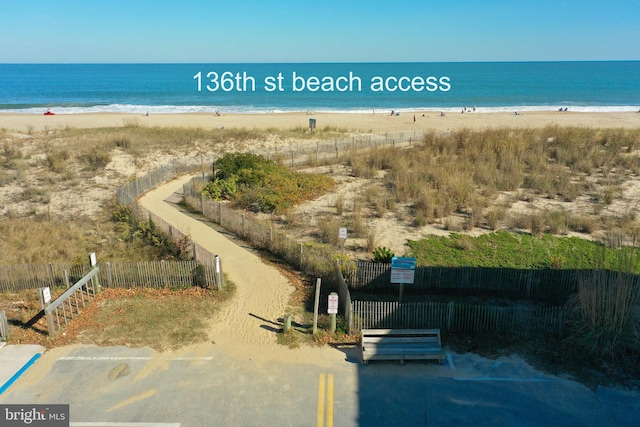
(464, 171)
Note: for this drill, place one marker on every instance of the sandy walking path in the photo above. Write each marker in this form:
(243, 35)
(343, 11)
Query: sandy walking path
(247, 325)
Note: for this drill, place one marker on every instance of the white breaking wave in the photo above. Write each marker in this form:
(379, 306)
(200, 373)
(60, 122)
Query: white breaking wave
(240, 109)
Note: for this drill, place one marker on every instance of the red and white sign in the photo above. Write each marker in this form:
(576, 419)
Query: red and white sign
(333, 303)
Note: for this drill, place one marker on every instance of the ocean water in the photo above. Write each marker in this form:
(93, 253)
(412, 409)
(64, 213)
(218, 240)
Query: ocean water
(339, 87)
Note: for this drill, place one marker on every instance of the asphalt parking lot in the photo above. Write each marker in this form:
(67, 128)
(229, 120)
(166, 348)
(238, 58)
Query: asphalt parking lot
(120, 386)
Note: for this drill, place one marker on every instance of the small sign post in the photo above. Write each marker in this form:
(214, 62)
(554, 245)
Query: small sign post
(342, 235)
(333, 310)
(402, 271)
(45, 296)
(316, 303)
(95, 280)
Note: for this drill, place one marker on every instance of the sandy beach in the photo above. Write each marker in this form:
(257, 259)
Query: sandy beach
(355, 122)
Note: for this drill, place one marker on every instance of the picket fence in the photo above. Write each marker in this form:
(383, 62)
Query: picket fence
(551, 285)
(456, 317)
(150, 274)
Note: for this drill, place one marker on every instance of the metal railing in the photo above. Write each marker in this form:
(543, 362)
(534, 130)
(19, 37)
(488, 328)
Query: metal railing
(68, 304)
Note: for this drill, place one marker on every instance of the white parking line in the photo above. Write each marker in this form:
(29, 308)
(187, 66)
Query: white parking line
(72, 424)
(507, 379)
(205, 358)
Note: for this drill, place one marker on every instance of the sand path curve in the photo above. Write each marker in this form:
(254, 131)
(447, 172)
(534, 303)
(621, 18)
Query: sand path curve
(247, 325)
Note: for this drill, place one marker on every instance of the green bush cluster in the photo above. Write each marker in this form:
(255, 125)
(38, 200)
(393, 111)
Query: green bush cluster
(133, 229)
(382, 254)
(259, 184)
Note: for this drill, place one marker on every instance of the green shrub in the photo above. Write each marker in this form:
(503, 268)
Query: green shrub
(256, 183)
(382, 254)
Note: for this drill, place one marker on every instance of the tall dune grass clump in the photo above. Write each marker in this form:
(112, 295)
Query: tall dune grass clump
(328, 229)
(554, 162)
(605, 323)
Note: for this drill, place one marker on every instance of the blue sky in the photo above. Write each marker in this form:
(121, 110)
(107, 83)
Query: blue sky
(66, 31)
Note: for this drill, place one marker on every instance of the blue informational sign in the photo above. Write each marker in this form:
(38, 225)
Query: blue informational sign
(403, 263)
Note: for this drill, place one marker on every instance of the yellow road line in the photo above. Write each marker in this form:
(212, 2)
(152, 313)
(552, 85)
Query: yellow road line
(321, 401)
(329, 400)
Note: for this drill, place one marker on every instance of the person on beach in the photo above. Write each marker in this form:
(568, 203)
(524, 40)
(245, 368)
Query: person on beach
(414, 118)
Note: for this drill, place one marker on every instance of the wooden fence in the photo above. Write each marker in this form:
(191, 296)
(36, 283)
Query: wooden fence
(158, 274)
(554, 286)
(32, 276)
(455, 317)
(151, 274)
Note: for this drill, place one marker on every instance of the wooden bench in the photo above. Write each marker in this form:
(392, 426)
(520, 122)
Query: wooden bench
(401, 344)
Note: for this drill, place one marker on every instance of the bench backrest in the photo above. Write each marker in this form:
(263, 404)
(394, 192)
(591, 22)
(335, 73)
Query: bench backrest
(382, 336)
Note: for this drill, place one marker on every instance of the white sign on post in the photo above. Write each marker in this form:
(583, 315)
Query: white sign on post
(402, 276)
(46, 295)
(342, 233)
(333, 303)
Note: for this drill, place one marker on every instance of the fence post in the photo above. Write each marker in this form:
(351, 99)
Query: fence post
(529, 280)
(110, 275)
(218, 273)
(450, 315)
(52, 274)
(301, 254)
(4, 326)
(315, 306)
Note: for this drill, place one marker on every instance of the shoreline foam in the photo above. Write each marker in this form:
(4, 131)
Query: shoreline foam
(191, 109)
